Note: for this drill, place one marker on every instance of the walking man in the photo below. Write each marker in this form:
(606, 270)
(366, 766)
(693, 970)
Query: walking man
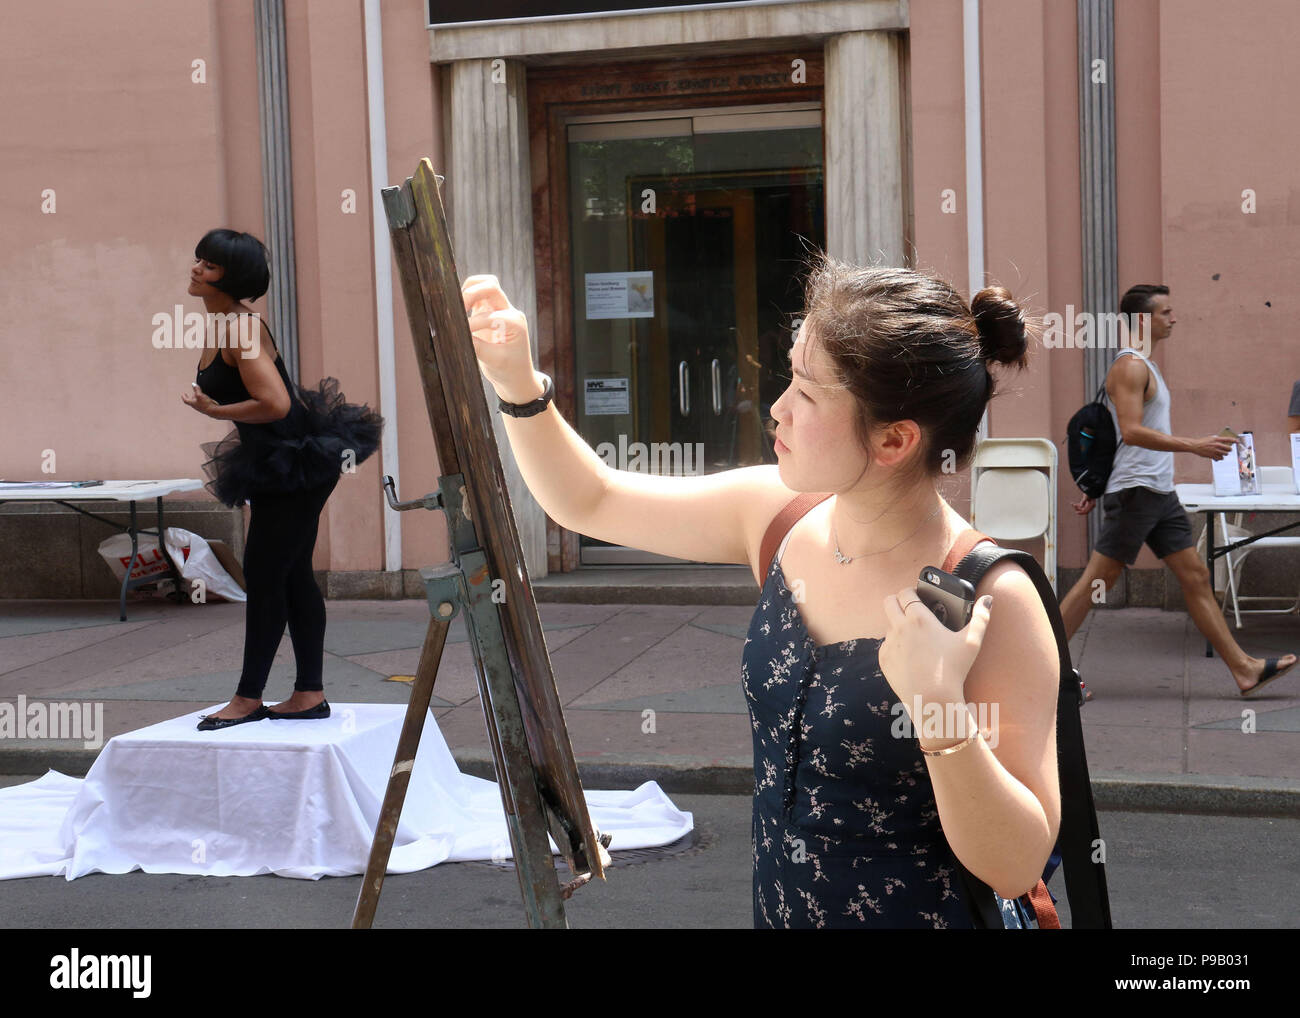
(1140, 505)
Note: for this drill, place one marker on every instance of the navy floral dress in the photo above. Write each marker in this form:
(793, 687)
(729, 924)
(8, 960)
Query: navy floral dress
(845, 829)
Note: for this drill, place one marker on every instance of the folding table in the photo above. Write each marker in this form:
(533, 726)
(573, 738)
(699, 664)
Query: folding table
(111, 491)
(1200, 498)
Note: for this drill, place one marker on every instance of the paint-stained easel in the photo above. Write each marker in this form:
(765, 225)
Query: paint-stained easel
(534, 761)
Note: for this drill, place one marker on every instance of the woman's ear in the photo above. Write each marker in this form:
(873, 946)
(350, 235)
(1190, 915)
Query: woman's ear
(896, 442)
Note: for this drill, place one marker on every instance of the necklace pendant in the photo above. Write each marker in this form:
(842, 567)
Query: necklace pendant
(842, 559)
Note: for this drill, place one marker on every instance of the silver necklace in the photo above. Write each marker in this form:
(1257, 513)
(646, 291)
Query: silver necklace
(844, 560)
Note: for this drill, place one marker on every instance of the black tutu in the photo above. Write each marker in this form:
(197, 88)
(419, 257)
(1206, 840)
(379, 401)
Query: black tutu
(304, 450)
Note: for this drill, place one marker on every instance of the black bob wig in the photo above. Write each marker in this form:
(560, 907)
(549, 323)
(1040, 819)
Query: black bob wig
(245, 260)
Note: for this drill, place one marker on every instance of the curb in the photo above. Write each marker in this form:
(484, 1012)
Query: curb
(1113, 791)
(1208, 794)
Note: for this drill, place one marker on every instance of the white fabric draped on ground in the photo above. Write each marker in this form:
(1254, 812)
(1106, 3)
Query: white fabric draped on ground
(294, 798)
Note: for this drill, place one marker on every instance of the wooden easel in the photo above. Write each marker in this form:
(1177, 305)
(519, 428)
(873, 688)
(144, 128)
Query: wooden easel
(534, 761)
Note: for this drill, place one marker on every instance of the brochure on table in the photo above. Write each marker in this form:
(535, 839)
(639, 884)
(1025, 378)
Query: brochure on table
(1237, 473)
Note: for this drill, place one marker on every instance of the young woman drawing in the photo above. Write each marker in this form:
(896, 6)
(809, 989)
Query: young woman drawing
(857, 821)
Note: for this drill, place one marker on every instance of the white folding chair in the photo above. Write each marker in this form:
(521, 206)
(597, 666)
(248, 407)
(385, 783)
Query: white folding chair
(1013, 493)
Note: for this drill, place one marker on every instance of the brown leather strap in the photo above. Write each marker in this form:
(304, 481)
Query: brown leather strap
(1044, 910)
(966, 540)
(795, 510)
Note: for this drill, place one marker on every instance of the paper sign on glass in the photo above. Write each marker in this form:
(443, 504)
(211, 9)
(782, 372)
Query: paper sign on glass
(620, 295)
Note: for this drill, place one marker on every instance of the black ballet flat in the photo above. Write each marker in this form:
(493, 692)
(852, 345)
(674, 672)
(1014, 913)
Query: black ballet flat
(321, 710)
(212, 724)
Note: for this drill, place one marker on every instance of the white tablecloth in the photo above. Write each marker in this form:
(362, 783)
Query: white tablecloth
(294, 798)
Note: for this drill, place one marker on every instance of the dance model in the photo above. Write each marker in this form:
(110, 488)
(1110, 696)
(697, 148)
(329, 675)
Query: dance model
(284, 458)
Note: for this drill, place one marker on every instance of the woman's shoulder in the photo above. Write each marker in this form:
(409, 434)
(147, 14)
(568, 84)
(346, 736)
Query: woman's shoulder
(1006, 579)
(1010, 585)
(768, 497)
(258, 333)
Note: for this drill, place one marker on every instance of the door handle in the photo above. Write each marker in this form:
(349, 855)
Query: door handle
(683, 388)
(717, 388)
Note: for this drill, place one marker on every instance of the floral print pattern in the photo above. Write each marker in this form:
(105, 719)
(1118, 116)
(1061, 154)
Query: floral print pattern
(845, 828)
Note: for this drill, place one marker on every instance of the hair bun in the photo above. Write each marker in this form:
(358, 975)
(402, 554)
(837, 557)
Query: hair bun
(1001, 324)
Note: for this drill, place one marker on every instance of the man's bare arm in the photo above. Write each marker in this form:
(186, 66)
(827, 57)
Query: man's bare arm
(1126, 383)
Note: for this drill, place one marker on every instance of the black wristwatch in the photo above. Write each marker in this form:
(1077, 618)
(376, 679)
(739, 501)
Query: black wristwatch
(533, 408)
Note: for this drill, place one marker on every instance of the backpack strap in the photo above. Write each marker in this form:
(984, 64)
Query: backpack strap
(1085, 878)
(795, 510)
(961, 547)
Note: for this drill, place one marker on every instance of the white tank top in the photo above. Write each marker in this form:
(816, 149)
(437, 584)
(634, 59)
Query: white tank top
(1133, 465)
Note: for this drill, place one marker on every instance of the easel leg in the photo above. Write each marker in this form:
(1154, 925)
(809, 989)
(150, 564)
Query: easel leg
(400, 776)
(525, 812)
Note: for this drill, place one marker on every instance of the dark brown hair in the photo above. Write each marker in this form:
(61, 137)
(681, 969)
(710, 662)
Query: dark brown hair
(1137, 300)
(907, 347)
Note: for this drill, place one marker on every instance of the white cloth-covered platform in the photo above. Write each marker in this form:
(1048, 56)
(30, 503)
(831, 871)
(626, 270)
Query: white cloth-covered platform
(294, 798)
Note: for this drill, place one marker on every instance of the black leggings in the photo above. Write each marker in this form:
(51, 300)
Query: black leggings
(281, 588)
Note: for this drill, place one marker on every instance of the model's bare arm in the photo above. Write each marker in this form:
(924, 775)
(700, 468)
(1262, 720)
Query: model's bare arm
(269, 399)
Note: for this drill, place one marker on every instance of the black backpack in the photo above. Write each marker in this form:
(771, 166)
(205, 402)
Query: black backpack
(1091, 445)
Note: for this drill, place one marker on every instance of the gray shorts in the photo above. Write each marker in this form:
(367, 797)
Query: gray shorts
(1132, 516)
(1294, 410)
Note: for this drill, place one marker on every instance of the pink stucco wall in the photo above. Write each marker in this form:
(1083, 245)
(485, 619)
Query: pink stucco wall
(1198, 120)
(1031, 181)
(141, 161)
(938, 138)
(1228, 78)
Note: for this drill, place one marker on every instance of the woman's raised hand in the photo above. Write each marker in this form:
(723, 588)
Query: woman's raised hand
(500, 332)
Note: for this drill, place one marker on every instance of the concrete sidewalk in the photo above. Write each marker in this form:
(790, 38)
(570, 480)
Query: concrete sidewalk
(1165, 731)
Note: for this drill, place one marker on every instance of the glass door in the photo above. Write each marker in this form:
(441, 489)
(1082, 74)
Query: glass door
(687, 233)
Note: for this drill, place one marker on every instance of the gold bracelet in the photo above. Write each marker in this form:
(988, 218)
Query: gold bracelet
(952, 749)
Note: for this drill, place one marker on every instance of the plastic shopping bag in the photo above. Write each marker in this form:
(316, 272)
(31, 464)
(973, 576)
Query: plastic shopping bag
(197, 562)
(150, 561)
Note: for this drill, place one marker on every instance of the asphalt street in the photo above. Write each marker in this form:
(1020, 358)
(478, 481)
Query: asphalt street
(1166, 871)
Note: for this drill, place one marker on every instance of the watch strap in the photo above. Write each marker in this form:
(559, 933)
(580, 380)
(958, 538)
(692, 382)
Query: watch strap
(532, 407)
